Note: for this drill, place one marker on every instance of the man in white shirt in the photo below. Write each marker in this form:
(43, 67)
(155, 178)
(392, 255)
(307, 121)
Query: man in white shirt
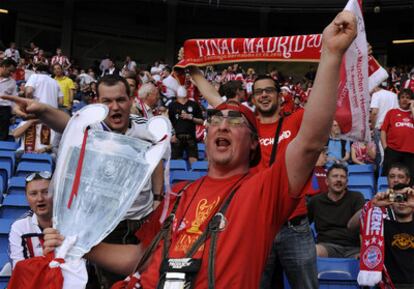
(25, 237)
(12, 52)
(381, 102)
(171, 85)
(43, 88)
(7, 87)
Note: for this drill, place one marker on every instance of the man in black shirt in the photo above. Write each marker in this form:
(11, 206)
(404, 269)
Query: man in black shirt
(399, 228)
(184, 114)
(332, 212)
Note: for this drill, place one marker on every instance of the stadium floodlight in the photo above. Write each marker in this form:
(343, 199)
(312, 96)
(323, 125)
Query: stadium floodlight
(4, 11)
(403, 41)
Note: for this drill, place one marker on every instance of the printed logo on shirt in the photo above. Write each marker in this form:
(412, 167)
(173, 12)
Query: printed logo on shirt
(403, 241)
(266, 141)
(202, 213)
(190, 109)
(404, 124)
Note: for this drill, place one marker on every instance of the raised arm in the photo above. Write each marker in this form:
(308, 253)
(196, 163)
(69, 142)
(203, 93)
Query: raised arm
(29, 108)
(206, 88)
(303, 151)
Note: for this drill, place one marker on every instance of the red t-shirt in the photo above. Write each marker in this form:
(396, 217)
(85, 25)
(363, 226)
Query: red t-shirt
(399, 126)
(288, 132)
(259, 208)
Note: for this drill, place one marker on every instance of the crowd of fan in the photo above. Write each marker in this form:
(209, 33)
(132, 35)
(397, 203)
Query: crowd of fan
(160, 90)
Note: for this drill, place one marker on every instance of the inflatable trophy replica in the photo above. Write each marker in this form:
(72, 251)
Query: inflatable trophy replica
(98, 176)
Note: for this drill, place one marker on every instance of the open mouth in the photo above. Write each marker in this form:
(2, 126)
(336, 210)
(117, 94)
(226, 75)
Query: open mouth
(116, 117)
(222, 142)
(41, 206)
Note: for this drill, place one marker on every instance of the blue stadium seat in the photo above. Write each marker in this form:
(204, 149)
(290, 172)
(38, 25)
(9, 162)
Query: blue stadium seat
(382, 184)
(5, 173)
(361, 181)
(16, 191)
(18, 182)
(2, 191)
(38, 158)
(178, 165)
(3, 283)
(365, 191)
(17, 185)
(178, 176)
(201, 151)
(313, 229)
(8, 145)
(25, 167)
(5, 266)
(5, 225)
(9, 156)
(199, 166)
(14, 206)
(360, 169)
(286, 284)
(338, 273)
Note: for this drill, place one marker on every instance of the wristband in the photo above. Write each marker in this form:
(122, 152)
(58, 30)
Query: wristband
(158, 197)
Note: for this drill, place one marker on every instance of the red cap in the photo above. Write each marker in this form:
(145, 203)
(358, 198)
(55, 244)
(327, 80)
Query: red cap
(236, 106)
(250, 116)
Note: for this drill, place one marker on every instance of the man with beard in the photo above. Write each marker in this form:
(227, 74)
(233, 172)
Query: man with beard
(293, 248)
(332, 213)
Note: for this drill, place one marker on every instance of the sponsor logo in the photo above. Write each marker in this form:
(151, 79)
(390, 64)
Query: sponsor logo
(404, 124)
(266, 141)
(179, 263)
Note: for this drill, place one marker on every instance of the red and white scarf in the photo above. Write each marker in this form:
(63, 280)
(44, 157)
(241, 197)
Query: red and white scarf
(372, 269)
(353, 91)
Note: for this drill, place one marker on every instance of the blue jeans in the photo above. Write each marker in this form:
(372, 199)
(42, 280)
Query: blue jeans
(294, 247)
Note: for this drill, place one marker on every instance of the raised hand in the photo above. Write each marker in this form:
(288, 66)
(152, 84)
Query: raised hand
(381, 199)
(340, 33)
(25, 108)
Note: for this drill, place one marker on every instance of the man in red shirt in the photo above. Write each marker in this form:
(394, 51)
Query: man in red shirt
(397, 133)
(294, 247)
(261, 204)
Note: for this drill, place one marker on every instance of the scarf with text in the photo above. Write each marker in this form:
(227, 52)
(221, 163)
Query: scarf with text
(359, 73)
(372, 269)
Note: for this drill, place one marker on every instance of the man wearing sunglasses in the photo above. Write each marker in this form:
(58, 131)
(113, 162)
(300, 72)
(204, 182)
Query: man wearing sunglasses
(262, 202)
(26, 238)
(294, 248)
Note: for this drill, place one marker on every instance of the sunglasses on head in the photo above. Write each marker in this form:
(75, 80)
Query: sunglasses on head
(45, 175)
(234, 118)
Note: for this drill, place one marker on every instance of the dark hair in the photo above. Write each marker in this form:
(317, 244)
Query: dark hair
(57, 64)
(401, 167)
(262, 77)
(337, 166)
(167, 68)
(8, 62)
(42, 67)
(405, 91)
(400, 186)
(111, 80)
(230, 88)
